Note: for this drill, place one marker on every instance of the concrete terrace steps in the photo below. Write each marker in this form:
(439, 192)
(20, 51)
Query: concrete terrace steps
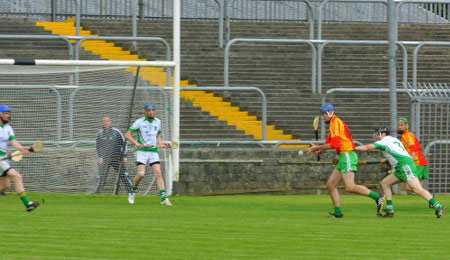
(245, 69)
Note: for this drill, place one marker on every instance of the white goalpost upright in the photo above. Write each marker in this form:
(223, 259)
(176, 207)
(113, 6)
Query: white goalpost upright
(34, 87)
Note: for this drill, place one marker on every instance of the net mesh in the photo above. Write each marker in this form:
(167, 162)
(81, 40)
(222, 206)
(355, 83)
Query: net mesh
(65, 108)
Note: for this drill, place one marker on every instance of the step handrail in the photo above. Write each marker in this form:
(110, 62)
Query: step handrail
(258, 90)
(80, 40)
(41, 37)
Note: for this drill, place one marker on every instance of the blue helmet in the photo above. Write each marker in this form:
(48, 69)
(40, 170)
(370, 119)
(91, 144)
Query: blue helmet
(149, 106)
(326, 107)
(4, 108)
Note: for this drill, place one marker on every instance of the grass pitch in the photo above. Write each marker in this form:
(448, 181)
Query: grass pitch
(220, 227)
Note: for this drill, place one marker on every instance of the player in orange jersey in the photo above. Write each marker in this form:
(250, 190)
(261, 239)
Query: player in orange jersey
(414, 149)
(340, 139)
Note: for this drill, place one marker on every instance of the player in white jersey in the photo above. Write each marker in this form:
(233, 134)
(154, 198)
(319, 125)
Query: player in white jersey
(6, 172)
(148, 130)
(405, 170)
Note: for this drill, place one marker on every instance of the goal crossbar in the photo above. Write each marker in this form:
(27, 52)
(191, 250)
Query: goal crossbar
(86, 63)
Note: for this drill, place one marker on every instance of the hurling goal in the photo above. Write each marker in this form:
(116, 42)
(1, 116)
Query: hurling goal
(65, 106)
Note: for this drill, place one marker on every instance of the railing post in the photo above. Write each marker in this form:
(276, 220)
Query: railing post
(78, 16)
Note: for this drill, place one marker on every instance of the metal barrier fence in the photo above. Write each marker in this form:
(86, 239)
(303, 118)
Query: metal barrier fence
(410, 11)
(229, 44)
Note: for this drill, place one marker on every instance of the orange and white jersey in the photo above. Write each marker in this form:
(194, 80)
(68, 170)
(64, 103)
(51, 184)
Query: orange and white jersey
(339, 136)
(411, 145)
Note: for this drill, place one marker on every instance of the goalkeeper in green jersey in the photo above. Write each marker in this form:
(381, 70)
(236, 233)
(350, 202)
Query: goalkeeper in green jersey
(405, 170)
(6, 172)
(148, 130)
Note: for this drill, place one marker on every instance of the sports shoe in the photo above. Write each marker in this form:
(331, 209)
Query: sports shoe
(166, 202)
(32, 205)
(334, 215)
(440, 211)
(379, 203)
(389, 214)
(131, 196)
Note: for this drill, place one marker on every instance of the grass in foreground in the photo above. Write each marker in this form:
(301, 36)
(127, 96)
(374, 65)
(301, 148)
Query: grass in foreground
(220, 227)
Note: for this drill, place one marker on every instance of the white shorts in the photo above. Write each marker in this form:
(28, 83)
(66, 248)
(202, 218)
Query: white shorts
(147, 158)
(4, 167)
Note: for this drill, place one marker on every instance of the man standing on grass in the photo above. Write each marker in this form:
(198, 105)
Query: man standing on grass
(148, 130)
(405, 170)
(110, 151)
(7, 135)
(413, 148)
(340, 139)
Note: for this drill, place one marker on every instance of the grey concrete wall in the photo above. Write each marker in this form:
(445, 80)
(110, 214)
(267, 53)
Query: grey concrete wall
(216, 171)
(203, 171)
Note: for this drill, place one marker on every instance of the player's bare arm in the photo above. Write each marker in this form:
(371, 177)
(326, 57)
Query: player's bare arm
(318, 148)
(160, 142)
(20, 147)
(129, 137)
(365, 147)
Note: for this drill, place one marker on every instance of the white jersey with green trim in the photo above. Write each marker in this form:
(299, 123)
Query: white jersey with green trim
(394, 151)
(6, 135)
(147, 130)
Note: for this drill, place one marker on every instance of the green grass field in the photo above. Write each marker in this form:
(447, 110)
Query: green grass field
(220, 227)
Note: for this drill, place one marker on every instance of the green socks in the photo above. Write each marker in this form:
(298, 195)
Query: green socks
(374, 195)
(389, 206)
(23, 197)
(337, 211)
(133, 190)
(434, 203)
(163, 194)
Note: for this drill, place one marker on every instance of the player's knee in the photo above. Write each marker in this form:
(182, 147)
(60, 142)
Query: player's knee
(157, 174)
(384, 185)
(350, 188)
(331, 186)
(141, 174)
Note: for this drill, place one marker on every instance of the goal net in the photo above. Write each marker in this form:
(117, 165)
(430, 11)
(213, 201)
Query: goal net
(81, 114)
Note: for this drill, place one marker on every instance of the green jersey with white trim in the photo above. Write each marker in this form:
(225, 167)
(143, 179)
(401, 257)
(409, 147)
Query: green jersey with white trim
(394, 151)
(6, 135)
(147, 131)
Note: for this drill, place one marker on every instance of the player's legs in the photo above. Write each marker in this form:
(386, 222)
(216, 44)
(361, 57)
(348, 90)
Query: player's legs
(415, 186)
(386, 184)
(332, 184)
(18, 185)
(156, 168)
(351, 187)
(140, 168)
(4, 184)
(17, 178)
(103, 174)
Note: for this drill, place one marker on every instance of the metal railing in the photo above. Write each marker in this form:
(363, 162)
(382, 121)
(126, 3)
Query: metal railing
(259, 91)
(322, 45)
(42, 37)
(352, 90)
(411, 11)
(80, 40)
(308, 42)
(58, 108)
(416, 54)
